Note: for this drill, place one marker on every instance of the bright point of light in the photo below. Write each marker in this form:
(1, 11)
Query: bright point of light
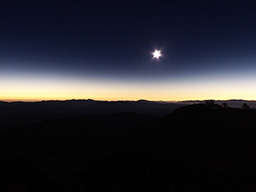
(157, 54)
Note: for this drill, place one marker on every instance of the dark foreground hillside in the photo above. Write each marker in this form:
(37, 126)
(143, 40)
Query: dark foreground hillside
(196, 148)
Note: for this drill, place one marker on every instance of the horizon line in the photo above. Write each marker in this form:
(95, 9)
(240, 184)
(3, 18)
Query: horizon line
(167, 101)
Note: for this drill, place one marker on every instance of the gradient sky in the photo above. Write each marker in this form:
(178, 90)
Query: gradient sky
(103, 50)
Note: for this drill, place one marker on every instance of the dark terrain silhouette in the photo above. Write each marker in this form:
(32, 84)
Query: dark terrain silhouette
(196, 148)
(16, 114)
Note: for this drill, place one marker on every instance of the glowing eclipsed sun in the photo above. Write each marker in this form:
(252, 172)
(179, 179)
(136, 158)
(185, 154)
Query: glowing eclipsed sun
(157, 54)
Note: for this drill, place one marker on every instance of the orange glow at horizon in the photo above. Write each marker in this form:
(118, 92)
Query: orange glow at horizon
(36, 89)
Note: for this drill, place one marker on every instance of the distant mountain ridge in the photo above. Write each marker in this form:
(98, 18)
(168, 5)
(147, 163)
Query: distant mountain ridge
(14, 114)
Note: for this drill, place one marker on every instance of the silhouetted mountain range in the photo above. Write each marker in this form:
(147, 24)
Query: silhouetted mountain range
(195, 148)
(15, 114)
(235, 103)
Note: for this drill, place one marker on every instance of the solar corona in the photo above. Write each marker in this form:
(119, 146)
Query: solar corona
(157, 54)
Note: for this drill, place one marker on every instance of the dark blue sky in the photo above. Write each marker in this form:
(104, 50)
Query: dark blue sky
(115, 39)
